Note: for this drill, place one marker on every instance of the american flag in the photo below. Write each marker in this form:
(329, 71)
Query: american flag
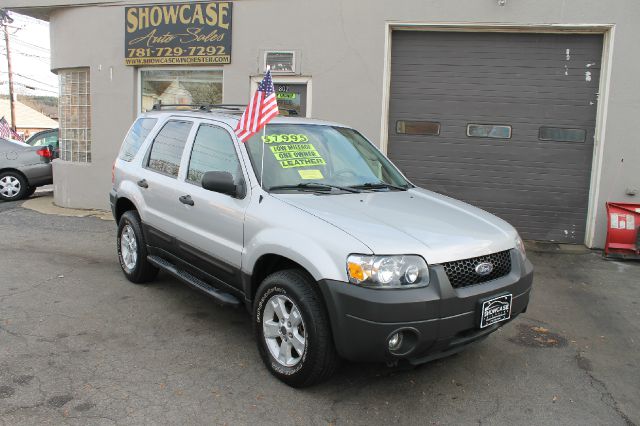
(7, 132)
(262, 108)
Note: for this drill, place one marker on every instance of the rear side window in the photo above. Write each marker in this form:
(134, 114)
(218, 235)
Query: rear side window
(167, 147)
(138, 133)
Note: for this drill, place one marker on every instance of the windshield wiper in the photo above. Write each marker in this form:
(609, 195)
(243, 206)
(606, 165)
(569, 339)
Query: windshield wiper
(314, 186)
(379, 185)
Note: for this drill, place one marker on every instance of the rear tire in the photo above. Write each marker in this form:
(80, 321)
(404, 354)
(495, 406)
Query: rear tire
(13, 186)
(132, 249)
(292, 329)
(30, 191)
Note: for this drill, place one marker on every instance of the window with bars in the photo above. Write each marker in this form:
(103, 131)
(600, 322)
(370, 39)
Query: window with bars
(74, 112)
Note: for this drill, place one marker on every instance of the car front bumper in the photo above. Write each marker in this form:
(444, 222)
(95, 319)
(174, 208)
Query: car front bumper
(439, 320)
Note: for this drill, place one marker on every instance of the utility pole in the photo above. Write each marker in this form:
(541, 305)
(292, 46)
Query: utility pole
(6, 19)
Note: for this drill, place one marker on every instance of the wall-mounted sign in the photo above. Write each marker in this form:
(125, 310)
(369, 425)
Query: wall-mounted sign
(183, 33)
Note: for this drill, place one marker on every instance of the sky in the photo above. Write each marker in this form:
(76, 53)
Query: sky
(30, 57)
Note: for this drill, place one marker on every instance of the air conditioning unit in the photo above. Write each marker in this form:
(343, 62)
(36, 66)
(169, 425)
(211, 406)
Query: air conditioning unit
(281, 62)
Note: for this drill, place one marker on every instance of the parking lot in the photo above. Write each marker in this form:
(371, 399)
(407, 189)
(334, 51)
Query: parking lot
(81, 345)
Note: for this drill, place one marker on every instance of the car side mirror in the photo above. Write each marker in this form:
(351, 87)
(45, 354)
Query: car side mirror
(220, 182)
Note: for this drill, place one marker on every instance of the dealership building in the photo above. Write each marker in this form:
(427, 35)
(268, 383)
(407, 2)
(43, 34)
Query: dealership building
(524, 108)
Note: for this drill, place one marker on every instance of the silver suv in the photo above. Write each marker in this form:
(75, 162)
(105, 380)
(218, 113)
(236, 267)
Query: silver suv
(308, 225)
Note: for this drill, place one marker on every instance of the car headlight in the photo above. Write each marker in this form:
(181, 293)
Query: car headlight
(520, 247)
(403, 271)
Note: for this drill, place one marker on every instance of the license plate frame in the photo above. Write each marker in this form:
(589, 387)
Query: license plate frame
(492, 310)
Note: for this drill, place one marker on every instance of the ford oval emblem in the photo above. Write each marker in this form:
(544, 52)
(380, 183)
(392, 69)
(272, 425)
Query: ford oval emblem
(484, 268)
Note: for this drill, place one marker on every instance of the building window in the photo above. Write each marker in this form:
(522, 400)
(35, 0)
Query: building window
(559, 134)
(182, 87)
(428, 128)
(74, 112)
(280, 62)
(493, 131)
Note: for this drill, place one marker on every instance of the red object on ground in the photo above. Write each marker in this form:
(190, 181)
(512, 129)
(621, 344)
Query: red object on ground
(623, 231)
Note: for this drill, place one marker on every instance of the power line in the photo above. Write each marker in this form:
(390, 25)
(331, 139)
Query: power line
(45, 61)
(31, 87)
(27, 18)
(28, 55)
(30, 44)
(29, 78)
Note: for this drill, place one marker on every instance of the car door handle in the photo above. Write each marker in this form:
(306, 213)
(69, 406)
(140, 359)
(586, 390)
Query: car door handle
(186, 199)
(143, 183)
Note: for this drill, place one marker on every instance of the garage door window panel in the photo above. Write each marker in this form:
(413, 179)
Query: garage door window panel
(492, 131)
(560, 134)
(423, 128)
(167, 148)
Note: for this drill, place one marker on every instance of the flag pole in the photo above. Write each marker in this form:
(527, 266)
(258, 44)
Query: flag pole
(264, 132)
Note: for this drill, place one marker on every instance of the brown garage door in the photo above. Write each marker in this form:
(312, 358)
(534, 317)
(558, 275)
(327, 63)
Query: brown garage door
(502, 121)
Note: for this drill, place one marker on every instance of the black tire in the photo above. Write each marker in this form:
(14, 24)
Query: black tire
(143, 271)
(319, 359)
(17, 179)
(30, 191)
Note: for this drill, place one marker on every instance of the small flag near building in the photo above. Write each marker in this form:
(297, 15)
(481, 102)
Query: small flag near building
(261, 109)
(7, 132)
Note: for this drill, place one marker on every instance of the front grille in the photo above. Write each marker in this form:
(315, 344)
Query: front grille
(462, 273)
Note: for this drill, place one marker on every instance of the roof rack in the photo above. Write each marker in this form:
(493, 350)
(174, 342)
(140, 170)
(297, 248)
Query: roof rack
(200, 107)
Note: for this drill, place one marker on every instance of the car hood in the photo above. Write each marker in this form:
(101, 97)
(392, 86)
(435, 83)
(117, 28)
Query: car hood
(416, 221)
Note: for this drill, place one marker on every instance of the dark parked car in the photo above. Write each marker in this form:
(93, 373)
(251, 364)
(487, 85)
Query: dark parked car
(46, 138)
(23, 168)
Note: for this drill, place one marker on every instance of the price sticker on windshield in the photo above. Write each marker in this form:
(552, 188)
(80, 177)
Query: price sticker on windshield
(297, 155)
(310, 174)
(284, 138)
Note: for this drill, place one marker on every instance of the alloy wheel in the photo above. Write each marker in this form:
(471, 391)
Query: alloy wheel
(9, 186)
(128, 248)
(284, 331)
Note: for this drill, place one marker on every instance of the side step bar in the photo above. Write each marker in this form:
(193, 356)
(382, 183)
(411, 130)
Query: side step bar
(222, 297)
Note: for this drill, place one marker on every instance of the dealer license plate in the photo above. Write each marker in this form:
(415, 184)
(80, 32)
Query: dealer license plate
(495, 310)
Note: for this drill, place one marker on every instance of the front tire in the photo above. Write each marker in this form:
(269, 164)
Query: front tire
(292, 329)
(132, 249)
(13, 186)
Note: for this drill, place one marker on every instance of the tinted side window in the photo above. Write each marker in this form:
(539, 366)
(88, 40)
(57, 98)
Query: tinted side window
(213, 150)
(138, 133)
(167, 147)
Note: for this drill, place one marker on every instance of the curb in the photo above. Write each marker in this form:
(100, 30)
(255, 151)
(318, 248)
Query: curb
(44, 205)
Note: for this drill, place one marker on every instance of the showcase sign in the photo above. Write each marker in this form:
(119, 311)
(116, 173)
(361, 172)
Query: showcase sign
(183, 33)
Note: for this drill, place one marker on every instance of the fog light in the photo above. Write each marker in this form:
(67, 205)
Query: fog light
(395, 341)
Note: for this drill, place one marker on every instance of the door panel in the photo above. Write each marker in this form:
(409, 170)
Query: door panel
(212, 232)
(160, 175)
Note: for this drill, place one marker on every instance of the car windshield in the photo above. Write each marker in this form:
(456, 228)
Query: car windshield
(320, 158)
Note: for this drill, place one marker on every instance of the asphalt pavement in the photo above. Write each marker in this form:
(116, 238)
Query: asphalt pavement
(81, 345)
